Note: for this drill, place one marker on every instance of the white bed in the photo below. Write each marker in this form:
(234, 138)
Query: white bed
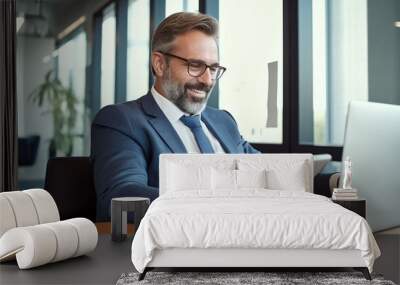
(247, 211)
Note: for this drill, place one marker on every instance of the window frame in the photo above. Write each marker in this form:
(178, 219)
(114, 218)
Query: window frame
(292, 47)
(95, 67)
(211, 8)
(121, 51)
(120, 55)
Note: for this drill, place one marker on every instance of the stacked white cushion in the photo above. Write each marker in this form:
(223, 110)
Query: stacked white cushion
(45, 205)
(31, 232)
(26, 208)
(32, 246)
(41, 244)
(87, 235)
(24, 211)
(7, 218)
(66, 236)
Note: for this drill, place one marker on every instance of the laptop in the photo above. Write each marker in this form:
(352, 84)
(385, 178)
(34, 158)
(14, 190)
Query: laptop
(372, 140)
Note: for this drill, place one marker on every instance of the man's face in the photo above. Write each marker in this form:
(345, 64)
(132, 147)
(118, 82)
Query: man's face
(189, 93)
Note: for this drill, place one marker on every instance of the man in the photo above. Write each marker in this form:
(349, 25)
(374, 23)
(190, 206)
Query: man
(128, 138)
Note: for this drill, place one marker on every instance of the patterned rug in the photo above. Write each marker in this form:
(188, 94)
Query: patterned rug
(230, 278)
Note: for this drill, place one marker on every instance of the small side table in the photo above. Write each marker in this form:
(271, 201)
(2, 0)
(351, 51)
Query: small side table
(119, 214)
(358, 206)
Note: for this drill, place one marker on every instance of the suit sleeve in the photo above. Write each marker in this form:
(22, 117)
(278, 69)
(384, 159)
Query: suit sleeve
(119, 161)
(246, 146)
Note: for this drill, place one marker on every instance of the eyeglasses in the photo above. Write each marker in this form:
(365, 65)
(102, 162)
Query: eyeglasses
(196, 68)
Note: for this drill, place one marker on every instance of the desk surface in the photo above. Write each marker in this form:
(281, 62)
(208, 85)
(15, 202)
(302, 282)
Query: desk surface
(102, 266)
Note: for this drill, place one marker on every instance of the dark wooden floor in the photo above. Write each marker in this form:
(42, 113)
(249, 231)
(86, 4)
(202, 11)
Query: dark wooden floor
(106, 264)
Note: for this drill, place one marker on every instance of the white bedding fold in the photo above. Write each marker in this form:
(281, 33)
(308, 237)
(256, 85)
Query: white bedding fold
(250, 218)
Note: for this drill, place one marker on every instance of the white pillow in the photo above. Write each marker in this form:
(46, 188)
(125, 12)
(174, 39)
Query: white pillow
(287, 179)
(282, 174)
(226, 179)
(251, 178)
(223, 179)
(183, 177)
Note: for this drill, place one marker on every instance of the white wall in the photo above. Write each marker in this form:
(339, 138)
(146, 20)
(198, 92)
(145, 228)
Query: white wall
(384, 51)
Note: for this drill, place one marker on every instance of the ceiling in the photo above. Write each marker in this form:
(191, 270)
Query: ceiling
(54, 13)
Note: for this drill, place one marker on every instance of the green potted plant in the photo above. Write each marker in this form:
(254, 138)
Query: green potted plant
(63, 108)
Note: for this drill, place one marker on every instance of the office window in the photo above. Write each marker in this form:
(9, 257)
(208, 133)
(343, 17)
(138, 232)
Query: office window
(174, 6)
(71, 71)
(252, 50)
(108, 37)
(333, 67)
(138, 48)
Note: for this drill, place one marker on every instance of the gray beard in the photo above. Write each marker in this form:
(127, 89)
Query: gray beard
(177, 94)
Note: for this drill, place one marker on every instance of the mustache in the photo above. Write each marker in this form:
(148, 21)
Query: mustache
(198, 86)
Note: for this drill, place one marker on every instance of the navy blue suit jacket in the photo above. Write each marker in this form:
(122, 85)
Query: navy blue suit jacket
(128, 138)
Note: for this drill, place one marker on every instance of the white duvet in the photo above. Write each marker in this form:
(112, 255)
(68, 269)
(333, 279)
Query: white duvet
(251, 218)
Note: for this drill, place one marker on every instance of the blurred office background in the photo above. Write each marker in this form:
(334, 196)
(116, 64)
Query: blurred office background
(292, 68)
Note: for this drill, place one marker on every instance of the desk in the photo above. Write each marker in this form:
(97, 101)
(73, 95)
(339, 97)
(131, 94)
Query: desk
(102, 266)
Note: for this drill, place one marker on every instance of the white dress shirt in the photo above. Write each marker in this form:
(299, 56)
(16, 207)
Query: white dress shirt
(173, 114)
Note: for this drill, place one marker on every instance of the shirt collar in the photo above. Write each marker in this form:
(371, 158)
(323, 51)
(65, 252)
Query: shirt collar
(170, 110)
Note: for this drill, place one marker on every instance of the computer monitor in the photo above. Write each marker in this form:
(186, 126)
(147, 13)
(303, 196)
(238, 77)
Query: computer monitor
(372, 140)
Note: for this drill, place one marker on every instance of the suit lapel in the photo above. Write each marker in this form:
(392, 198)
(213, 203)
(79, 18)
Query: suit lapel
(219, 131)
(160, 123)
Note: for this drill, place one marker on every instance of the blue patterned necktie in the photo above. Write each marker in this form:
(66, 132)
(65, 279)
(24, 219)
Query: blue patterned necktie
(193, 123)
